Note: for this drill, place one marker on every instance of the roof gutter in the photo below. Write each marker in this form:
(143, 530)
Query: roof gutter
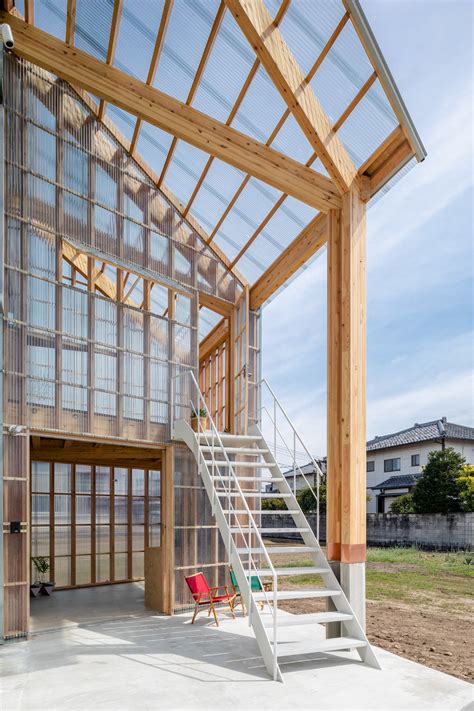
(385, 77)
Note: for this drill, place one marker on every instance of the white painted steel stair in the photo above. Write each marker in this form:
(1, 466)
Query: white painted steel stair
(234, 504)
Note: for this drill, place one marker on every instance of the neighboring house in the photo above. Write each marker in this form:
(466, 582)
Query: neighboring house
(302, 475)
(394, 461)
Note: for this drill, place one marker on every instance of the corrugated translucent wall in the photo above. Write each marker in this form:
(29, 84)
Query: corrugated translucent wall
(78, 359)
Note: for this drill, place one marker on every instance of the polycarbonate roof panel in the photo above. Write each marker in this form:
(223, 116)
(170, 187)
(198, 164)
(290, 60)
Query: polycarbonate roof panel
(93, 21)
(124, 121)
(136, 38)
(185, 39)
(219, 89)
(217, 190)
(261, 108)
(307, 26)
(153, 144)
(207, 320)
(184, 170)
(50, 16)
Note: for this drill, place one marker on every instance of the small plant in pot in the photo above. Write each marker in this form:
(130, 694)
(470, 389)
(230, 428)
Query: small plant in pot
(199, 420)
(45, 587)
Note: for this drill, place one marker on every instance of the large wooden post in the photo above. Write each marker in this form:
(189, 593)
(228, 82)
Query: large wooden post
(346, 485)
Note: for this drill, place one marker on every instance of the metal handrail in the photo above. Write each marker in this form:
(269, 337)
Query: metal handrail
(251, 522)
(296, 437)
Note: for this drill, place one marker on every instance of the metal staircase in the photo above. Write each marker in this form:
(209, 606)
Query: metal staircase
(231, 467)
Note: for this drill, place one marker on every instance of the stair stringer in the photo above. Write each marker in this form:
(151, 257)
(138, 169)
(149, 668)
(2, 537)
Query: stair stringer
(183, 432)
(341, 603)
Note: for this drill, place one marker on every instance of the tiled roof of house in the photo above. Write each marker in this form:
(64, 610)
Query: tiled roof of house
(398, 482)
(422, 433)
(305, 469)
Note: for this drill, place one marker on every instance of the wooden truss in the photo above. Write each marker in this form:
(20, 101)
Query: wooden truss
(219, 139)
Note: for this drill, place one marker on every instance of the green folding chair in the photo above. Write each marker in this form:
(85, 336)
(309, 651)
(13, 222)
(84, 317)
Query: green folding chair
(256, 585)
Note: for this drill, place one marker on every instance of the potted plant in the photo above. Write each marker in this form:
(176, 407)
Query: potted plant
(199, 420)
(46, 587)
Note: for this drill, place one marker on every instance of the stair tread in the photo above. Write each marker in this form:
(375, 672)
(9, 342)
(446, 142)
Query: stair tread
(283, 530)
(254, 465)
(267, 513)
(234, 450)
(207, 434)
(291, 571)
(253, 494)
(296, 594)
(243, 478)
(325, 645)
(313, 618)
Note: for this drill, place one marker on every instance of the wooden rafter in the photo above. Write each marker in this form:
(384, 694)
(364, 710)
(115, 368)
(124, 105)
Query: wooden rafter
(114, 29)
(70, 21)
(30, 12)
(160, 40)
(196, 80)
(131, 95)
(275, 55)
(343, 117)
(245, 87)
(281, 121)
(214, 338)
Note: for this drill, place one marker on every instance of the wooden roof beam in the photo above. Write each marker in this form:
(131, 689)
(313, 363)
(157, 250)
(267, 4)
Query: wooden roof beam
(214, 338)
(114, 29)
(268, 44)
(70, 21)
(165, 112)
(160, 40)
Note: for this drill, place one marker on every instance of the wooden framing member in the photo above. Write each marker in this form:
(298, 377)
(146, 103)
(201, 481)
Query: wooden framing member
(213, 340)
(160, 40)
(203, 132)
(346, 479)
(195, 83)
(275, 55)
(114, 30)
(70, 21)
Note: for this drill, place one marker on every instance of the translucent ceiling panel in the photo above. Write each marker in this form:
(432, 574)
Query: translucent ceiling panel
(137, 36)
(292, 141)
(251, 268)
(342, 73)
(219, 89)
(186, 37)
(217, 190)
(207, 320)
(307, 26)
(124, 121)
(261, 108)
(184, 170)
(93, 20)
(50, 16)
(153, 145)
(252, 206)
(368, 125)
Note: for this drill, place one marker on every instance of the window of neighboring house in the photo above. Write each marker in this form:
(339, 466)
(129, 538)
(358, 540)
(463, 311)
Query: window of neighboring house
(371, 466)
(415, 460)
(391, 465)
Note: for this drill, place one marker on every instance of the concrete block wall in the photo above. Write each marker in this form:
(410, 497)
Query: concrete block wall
(431, 531)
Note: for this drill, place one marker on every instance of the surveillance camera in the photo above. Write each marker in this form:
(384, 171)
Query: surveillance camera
(7, 36)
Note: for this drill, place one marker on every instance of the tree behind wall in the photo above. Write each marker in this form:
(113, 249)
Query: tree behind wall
(438, 488)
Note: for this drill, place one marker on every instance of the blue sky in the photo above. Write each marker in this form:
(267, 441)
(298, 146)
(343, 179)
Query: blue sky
(420, 249)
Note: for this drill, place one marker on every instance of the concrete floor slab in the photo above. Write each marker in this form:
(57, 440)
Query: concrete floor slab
(155, 662)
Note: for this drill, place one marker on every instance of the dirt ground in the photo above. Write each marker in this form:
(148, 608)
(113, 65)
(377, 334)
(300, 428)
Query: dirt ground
(419, 605)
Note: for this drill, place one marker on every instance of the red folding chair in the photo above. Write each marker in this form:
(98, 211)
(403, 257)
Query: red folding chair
(207, 597)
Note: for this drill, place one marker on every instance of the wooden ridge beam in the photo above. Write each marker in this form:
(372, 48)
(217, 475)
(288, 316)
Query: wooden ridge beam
(165, 112)
(309, 240)
(269, 46)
